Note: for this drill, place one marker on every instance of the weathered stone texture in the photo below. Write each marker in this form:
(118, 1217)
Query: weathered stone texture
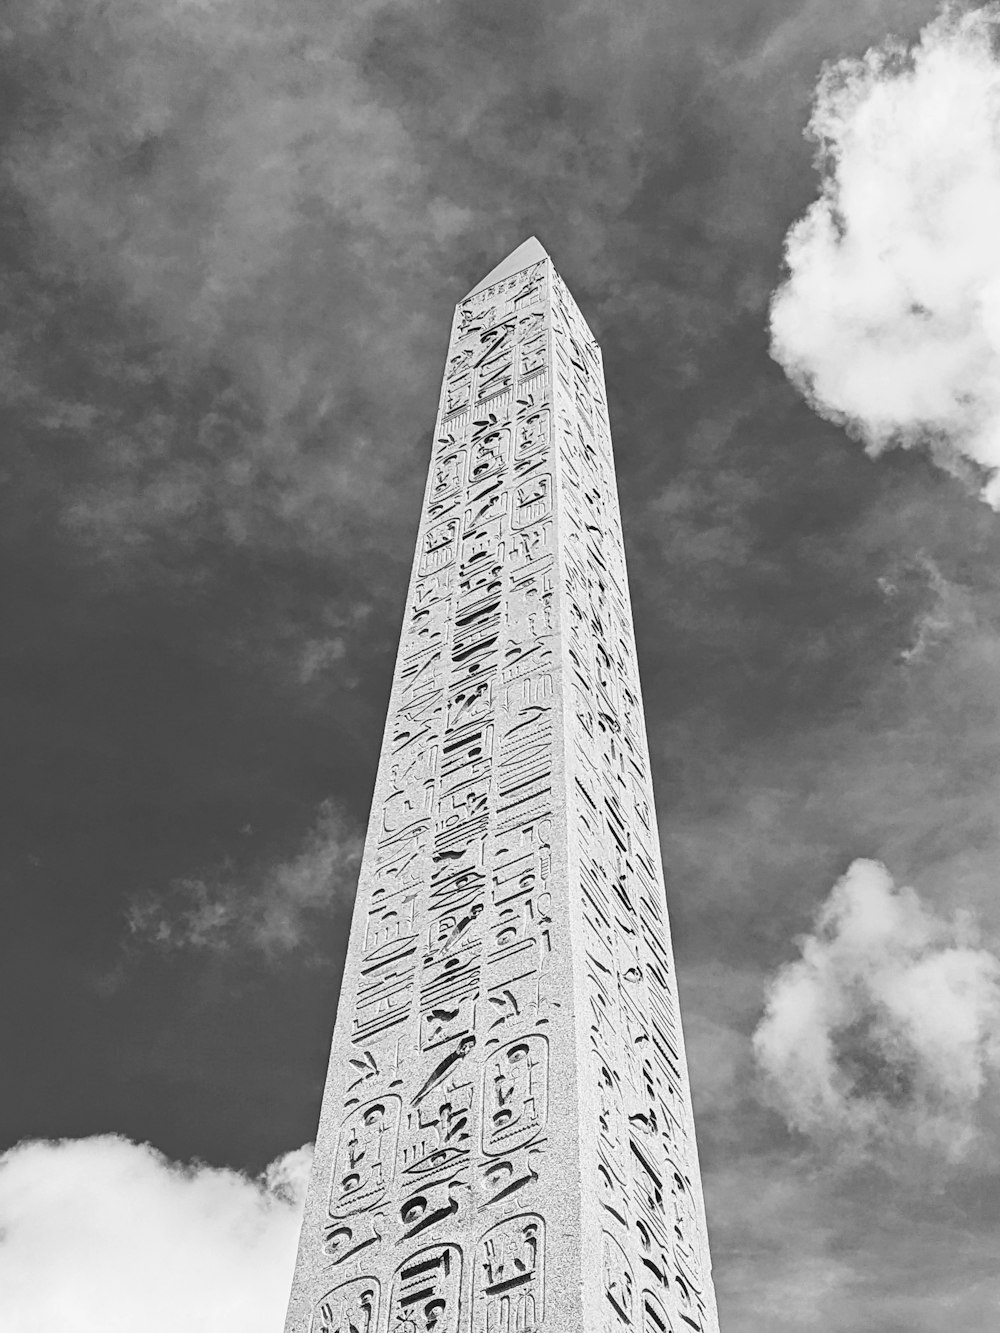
(506, 1142)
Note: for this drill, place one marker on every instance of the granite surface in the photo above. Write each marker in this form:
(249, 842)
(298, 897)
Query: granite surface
(506, 1141)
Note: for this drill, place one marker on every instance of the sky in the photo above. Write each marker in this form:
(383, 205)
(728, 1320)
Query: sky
(231, 235)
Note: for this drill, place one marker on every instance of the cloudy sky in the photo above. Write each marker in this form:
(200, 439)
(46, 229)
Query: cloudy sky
(231, 234)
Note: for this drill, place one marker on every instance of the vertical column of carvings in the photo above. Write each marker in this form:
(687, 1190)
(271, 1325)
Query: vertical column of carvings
(452, 1063)
(637, 1129)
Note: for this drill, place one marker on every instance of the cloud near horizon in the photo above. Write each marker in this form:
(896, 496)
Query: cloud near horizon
(885, 1034)
(103, 1235)
(889, 318)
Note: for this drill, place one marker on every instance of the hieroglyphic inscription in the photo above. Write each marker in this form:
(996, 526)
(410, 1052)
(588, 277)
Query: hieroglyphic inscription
(352, 1307)
(365, 1158)
(645, 1156)
(619, 1286)
(510, 913)
(427, 1292)
(515, 1091)
(446, 1088)
(509, 1290)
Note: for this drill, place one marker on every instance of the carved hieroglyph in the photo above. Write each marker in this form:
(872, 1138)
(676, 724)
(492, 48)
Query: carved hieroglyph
(506, 1142)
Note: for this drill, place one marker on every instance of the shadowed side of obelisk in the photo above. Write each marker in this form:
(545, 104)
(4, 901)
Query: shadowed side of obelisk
(644, 1242)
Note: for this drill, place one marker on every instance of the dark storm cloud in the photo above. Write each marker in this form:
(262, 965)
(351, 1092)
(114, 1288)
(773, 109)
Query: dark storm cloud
(232, 235)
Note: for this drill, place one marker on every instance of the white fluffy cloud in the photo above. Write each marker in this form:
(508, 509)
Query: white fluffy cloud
(886, 1032)
(889, 320)
(106, 1236)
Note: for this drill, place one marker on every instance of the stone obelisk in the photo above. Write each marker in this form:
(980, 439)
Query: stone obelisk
(506, 1142)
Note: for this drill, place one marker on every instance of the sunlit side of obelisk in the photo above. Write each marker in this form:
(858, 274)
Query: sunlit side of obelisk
(506, 1142)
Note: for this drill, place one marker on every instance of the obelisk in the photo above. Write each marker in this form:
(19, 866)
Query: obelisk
(506, 1143)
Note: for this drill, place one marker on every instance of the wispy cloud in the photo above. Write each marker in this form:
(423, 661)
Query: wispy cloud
(885, 1034)
(889, 319)
(270, 908)
(806, 1248)
(244, 225)
(103, 1235)
(948, 611)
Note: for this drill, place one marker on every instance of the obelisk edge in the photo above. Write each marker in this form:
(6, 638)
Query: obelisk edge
(522, 256)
